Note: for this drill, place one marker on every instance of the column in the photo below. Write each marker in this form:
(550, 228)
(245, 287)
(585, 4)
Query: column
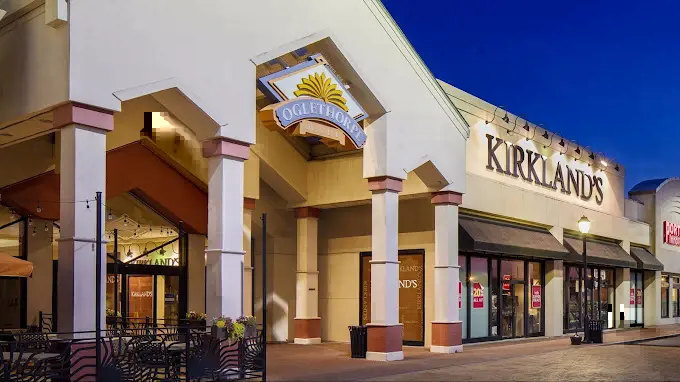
(39, 287)
(196, 282)
(248, 208)
(447, 329)
(652, 298)
(554, 298)
(82, 170)
(224, 256)
(307, 320)
(623, 296)
(384, 330)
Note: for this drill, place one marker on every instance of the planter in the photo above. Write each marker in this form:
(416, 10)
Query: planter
(111, 321)
(196, 324)
(251, 331)
(576, 340)
(219, 333)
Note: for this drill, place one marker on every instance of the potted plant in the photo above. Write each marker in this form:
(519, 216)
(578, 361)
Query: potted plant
(195, 319)
(250, 325)
(576, 339)
(112, 317)
(222, 327)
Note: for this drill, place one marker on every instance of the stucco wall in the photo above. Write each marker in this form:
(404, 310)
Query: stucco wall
(220, 44)
(34, 60)
(667, 209)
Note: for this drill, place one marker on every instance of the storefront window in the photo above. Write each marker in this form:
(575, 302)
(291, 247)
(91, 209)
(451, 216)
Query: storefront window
(494, 297)
(513, 298)
(607, 296)
(664, 296)
(536, 298)
(463, 293)
(676, 296)
(574, 296)
(479, 294)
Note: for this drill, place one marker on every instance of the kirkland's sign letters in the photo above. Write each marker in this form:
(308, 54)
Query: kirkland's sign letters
(517, 162)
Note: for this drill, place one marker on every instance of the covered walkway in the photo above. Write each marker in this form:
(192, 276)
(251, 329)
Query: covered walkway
(331, 361)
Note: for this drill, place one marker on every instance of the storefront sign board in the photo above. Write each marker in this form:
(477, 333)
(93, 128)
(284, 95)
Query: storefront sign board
(632, 296)
(535, 296)
(671, 233)
(477, 296)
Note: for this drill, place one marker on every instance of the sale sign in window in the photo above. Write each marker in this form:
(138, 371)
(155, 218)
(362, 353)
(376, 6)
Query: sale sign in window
(535, 296)
(477, 296)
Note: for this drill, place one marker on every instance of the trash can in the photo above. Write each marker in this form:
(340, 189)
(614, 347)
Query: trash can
(358, 336)
(595, 331)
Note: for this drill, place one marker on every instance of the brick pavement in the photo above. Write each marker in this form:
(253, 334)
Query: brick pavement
(530, 359)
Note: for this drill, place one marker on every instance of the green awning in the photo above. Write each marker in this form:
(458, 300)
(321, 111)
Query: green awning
(598, 253)
(645, 259)
(493, 236)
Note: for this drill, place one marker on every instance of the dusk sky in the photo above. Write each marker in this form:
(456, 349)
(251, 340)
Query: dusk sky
(605, 74)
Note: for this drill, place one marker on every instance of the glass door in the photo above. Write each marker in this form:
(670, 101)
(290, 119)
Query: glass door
(636, 299)
(141, 298)
(168, 308)
(512, 311)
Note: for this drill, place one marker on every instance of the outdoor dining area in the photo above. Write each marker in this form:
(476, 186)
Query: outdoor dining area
(134, 351)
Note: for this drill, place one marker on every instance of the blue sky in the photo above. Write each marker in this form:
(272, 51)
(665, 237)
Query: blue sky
(605, 74)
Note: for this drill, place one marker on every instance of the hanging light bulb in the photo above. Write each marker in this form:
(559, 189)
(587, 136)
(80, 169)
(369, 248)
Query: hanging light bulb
(38, 209)
(14, 214)
(87, 204)
(162, 251)
(33, 234)
(46, 229)
(125, 223)
(110, 215)
(30, 221)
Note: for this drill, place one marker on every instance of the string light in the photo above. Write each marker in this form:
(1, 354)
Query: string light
(38, 209)
(46, 229)
(110, 215)
(87, 203)
(33, 234)
(30, 221)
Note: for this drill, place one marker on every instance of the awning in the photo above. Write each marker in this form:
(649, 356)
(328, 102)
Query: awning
(11, 266)
(599, 253)
(493, 236)
(645, 259)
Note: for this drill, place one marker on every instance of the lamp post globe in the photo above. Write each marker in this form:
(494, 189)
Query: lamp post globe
(584, 225)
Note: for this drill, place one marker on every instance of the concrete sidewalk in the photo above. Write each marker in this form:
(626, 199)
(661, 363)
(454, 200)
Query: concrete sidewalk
(331, 361)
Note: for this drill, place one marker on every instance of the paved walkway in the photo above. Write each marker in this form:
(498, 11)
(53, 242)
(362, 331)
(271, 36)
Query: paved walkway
(531, 359)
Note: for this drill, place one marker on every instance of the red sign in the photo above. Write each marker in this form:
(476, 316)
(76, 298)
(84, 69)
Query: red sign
(506, 286)
(639, 297)
(460, 295)
(477, 296)
(535, 296)
(671, 233)
(632, 296)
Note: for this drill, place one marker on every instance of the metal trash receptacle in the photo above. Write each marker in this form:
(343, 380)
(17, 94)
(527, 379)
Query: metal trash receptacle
(595, 331)
(358, 336)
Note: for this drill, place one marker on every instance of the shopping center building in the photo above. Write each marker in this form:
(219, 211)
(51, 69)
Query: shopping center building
(391, 199)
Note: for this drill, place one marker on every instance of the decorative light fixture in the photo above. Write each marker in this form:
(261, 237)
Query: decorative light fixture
(562, 142)
(578, 150)
(125, 223)
(526, 126)
(545, 134)
(592, 156)
(38, 209)
(617, 168)
(584, 225)
(129, 252)
(30, 221)
(46, 229)
(494, 115)
(162, 252)
(110, 215)
(87, 204)
(33, 234)
(505, 118)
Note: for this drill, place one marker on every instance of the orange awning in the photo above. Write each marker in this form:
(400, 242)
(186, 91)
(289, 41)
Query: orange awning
(11, 266)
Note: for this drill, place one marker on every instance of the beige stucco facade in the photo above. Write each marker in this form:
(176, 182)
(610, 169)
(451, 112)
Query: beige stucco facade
(424, 138)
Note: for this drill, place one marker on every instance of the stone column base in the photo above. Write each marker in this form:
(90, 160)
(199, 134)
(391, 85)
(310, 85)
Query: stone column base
(447, 337)
(384, 343)
(307, 331)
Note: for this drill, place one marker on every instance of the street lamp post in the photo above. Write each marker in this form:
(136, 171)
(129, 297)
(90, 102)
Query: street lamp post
(584, 227)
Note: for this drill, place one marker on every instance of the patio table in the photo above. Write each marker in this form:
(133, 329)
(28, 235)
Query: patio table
(26, 355)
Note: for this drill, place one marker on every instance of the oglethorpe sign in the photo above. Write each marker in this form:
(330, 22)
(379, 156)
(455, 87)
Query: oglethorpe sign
(512, 160)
